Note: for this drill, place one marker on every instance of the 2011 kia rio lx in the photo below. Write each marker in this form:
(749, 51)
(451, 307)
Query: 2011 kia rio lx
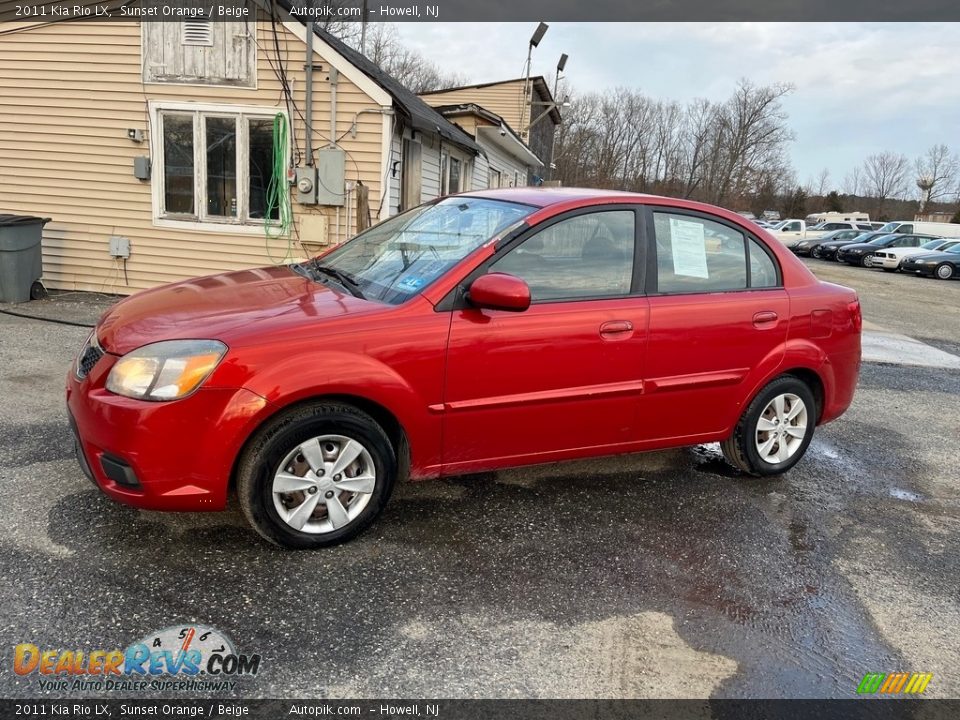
(481, 331)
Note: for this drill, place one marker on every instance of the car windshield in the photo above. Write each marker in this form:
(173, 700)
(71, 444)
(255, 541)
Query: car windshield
(393, 261)
(883, 240)
(889, 228)
(932, 244)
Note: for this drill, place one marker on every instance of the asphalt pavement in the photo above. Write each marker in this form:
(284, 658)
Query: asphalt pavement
(656, 575)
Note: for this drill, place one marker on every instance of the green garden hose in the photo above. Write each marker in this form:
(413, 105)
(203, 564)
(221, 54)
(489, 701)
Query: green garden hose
(278, 190)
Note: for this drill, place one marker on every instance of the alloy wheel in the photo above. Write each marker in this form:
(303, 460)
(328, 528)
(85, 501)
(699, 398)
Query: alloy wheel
(781, 428)
(323, 484)
(868, 261)
(945, 271)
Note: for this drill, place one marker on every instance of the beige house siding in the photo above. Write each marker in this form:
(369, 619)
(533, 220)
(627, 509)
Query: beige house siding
(68, 94)
(505, 99)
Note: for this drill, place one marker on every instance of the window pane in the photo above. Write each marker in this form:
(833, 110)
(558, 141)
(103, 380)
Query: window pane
(222, 166)
(698, 255)
(587, 256)
(178, 164)
(261, 167)
(763, 273)
(444, 185)
(454, 175)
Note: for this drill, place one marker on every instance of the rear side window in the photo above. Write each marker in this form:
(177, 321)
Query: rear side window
(699, 255)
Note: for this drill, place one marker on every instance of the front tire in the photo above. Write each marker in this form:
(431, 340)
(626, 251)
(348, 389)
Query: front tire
(775, 430)
(867, 261)
(315, 476)
(944, 271)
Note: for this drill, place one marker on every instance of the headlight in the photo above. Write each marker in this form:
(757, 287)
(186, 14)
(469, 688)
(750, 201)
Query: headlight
(165, 370)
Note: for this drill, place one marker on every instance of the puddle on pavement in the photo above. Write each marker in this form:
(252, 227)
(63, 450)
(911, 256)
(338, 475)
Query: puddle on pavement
(901, 494)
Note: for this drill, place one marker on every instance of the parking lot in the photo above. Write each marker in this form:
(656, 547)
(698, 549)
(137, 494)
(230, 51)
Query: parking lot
(656, 575)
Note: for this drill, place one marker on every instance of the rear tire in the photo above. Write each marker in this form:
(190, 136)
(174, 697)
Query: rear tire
(303, 448)
(775, 430)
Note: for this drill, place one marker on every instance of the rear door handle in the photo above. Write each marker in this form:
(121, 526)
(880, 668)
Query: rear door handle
(764, 318)
(616, 328)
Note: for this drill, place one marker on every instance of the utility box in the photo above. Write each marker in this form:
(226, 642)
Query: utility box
(331, 177)
(307, 185)
(21, 261)
(119, 247)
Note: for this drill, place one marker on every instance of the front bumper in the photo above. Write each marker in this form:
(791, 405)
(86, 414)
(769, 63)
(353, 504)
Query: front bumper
(850, 258)
(917, 269)
(160, 455)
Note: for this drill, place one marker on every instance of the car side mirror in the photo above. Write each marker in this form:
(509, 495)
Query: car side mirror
(499, 291)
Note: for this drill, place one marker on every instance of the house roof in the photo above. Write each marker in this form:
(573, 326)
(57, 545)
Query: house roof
(417, 113)
(503, 136)
(538, 82)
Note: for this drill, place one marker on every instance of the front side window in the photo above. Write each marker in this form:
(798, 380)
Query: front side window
(586, 256)
(217, 167)
(395, 260)
(699, 255)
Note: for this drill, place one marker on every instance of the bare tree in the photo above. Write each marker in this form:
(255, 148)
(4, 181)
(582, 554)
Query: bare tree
(885, 175)
(725, 153)
(853, 182)
(409, 67)
(823, 183)
(938, 167)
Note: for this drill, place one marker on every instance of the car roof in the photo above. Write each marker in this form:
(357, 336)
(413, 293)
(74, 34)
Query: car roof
(545, 196)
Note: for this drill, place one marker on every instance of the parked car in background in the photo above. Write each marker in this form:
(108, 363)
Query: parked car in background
(791, 232)
(827, 250)
(481, 331)
(805, 247)
(890, 258)
(934, 229)
(862, 253)
(877, 225)
(943, 265)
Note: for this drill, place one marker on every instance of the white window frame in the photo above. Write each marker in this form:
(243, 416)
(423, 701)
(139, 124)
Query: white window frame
(200, 221)
(444, 171)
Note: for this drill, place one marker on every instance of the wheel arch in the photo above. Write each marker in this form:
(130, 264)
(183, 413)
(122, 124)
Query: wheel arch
(382, 415)
(811, 379)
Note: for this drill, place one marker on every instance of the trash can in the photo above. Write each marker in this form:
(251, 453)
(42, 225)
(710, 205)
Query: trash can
(21, 263)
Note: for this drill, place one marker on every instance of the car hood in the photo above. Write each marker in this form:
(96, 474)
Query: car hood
(836, 243)
(860, 246)
(223, 307)
(955, 257)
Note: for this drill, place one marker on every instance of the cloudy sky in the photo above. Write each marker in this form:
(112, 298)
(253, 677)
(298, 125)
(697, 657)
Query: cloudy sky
(860, 88)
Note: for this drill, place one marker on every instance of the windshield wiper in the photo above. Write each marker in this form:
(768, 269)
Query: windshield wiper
(345, 279)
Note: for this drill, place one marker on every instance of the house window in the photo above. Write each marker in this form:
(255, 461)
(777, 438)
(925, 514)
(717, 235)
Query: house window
(493, 178)
(215, 167)
(451, 174)
(200, 52)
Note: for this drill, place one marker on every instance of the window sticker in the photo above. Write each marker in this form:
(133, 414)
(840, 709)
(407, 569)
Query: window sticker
(689, 248)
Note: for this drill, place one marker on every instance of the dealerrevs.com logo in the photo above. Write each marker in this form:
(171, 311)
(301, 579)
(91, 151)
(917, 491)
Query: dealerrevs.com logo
(192, 658)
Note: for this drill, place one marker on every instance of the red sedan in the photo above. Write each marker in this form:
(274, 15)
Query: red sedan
(481, 331)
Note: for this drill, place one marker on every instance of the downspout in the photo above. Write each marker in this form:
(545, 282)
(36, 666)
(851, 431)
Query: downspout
(308, 121)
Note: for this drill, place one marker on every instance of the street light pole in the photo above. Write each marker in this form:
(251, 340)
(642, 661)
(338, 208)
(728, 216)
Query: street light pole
(534, 41)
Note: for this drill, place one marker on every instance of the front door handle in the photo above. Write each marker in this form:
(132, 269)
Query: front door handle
(616, 329)
(765, 319)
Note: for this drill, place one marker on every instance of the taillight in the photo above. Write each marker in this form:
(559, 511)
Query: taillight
(855, 315)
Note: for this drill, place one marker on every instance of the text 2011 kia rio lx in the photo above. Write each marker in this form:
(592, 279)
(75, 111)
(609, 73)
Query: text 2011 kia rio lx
(481, 331)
